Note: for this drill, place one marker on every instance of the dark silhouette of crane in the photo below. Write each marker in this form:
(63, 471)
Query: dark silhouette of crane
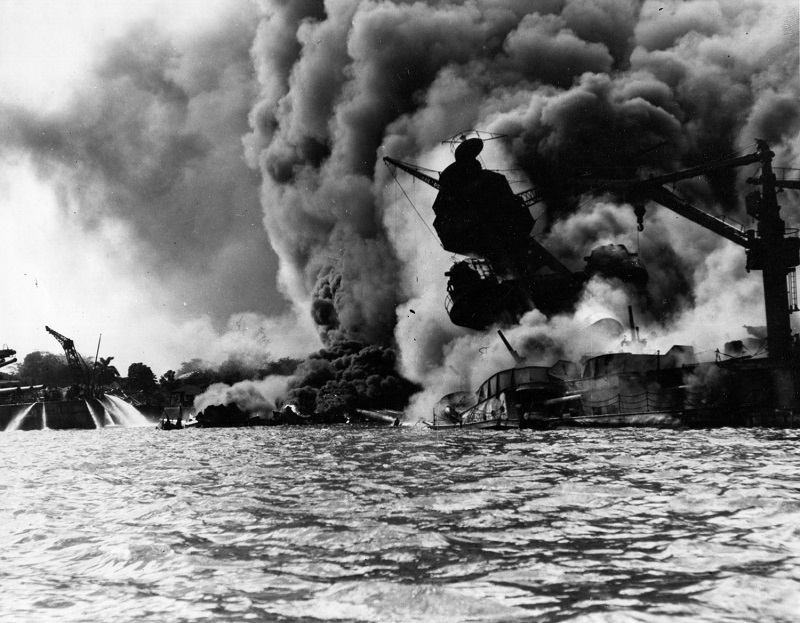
(771, 248)
(80, 370)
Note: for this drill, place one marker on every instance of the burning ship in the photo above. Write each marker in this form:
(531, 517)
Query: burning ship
(506, 272)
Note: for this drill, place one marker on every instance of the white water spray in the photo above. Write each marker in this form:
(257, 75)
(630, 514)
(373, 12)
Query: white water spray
(108, 420)
(44, 417)
(19, 417)
(128, 415)
(93, 413)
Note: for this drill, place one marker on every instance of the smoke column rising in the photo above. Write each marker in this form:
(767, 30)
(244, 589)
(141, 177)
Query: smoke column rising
(148, 147)
(578, 86)
(312, 94)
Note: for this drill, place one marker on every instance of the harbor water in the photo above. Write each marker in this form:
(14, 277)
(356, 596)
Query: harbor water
(399, 524)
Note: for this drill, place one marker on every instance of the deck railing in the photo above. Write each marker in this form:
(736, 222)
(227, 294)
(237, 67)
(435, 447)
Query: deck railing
(645, 402)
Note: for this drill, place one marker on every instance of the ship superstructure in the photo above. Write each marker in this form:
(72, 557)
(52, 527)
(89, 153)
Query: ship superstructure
(506, 272)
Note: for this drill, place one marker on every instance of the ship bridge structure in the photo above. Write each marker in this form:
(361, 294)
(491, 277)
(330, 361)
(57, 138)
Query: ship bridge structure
(507, 272)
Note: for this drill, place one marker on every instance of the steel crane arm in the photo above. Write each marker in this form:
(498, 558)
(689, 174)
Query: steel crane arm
(413, 170)
(529, 197)
(63, 340)
(634, 185)
(540, 256)
(652, 189)
(668, 199)
(74, 360)
(703, 169)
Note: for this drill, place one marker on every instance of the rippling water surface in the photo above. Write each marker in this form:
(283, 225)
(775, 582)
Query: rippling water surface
(373, 524)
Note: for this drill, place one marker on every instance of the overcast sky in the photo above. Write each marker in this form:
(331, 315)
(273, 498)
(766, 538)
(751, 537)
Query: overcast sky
(162, 285)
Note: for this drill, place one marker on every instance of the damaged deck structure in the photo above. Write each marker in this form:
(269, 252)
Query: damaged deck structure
(621, 388)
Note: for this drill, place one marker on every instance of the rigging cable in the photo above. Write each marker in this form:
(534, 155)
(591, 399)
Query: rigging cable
(414, 207)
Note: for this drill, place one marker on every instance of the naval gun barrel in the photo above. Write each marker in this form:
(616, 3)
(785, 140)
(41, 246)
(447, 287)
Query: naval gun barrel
(518, 359)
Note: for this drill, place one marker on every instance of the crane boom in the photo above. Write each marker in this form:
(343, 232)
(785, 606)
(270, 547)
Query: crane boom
(771, 248)
(528, 197)
(670, 200)
(414, 171)
(793, 184)
(652, 189)
(76, 363)
(702, 169)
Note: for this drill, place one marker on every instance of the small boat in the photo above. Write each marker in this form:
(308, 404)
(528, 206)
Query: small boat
(379, 417)
(166, 424)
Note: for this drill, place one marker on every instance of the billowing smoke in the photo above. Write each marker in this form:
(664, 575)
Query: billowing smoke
(349, 375)
(580, 88)
(262, 396)
(151, 141)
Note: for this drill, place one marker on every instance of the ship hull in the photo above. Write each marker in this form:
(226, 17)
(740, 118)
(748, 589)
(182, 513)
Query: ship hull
(682, 419)
(488, 424)
(55, 415)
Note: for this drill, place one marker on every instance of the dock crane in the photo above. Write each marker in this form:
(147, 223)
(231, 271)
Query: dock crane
(771, 248)
(80, 370)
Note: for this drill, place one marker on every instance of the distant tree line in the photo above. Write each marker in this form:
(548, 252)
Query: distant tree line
(52, 370)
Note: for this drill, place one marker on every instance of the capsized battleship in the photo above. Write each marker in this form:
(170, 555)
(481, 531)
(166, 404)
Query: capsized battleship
(508, 273)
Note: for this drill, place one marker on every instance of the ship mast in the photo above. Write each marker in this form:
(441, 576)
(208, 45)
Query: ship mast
(770, 248)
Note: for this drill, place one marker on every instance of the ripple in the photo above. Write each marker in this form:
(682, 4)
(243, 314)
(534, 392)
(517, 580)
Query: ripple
(352, 524)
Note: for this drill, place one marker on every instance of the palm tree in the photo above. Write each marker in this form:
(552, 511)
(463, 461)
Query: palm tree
(105, 373)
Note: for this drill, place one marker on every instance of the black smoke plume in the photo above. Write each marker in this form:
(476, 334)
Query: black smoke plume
(579, 87)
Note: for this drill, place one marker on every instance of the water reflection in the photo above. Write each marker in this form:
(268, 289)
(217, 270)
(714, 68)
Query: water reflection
(400, 525)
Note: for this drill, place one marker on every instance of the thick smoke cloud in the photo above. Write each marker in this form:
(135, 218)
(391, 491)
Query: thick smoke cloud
(153, 139)
(262, 396)
(311, 94)
(580, 88)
